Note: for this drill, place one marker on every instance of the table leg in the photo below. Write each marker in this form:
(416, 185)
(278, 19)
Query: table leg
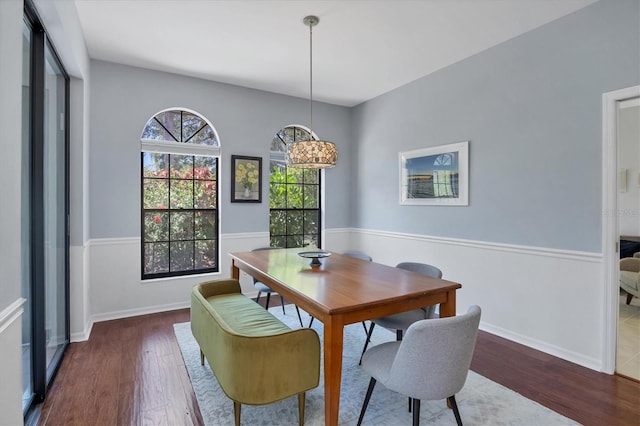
(448, 308)
(333, 340)
(235, 272)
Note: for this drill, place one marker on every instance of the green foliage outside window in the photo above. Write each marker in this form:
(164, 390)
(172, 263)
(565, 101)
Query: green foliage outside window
(179, 195)
(294, 199)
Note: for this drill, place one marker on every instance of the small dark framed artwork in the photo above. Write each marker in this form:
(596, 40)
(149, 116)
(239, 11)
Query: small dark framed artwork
(246, 179)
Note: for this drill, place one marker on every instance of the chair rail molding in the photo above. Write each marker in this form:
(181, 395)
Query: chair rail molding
(513, 248)
(11, 313)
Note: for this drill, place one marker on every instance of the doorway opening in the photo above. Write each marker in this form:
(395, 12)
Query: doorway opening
(618, 218)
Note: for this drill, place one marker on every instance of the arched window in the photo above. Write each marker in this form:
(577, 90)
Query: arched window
(294, 196)
(179, 187)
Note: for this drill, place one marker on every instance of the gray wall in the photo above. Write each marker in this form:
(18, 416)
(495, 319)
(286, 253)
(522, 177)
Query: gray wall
(532, 111)
(123, 98)
(11, 22)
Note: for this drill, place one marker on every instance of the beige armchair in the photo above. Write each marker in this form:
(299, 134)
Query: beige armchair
(630, 276)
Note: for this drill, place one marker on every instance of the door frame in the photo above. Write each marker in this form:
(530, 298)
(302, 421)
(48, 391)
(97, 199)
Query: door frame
(610, 222)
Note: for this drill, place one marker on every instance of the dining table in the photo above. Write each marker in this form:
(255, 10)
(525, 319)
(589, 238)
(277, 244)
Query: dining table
(338, 290)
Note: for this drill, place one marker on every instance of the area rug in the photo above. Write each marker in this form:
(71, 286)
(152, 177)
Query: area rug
(481, 401)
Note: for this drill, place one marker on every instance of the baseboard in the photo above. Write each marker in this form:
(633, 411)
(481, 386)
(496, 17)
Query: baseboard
(84, 335)
(539, 345)
(108, 316)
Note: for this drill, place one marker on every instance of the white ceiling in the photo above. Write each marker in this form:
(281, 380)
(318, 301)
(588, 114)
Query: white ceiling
(361, 48)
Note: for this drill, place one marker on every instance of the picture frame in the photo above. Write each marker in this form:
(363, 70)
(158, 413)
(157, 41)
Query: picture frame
(435, 176)
(246, 179)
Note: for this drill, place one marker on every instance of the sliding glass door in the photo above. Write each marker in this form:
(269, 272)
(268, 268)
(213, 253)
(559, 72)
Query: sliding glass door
(45, 202)
(54, 203)
(27, 335)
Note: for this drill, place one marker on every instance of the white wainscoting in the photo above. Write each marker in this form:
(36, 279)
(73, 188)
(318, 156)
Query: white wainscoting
(110, 287)
(11, 365)
(79, 289)
(117, 291)
(547, 299)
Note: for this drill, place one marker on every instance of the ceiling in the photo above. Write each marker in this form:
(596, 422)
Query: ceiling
(361, 48)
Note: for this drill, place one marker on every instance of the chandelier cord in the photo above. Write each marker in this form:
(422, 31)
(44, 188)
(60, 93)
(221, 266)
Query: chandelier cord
(311, 81)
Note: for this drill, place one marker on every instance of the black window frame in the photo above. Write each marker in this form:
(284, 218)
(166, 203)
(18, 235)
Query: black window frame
(171, 211)
(283, 240)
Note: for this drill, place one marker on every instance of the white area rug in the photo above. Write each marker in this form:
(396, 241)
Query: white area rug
(481, 401)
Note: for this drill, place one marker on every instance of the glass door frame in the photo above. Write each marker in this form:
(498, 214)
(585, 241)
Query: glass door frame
(41, 373)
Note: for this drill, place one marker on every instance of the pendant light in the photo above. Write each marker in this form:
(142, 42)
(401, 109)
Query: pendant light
(311, 153)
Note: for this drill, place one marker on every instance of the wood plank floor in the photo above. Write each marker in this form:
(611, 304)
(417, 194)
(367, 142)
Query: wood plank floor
(130, 372)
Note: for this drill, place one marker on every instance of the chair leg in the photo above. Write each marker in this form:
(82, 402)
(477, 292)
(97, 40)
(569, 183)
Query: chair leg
(258, 298)
(399, 335)
(372, 384)
(266, 305)
(454, 407)
(201, 357)
(301, 408)
(311, 322)
(299, 317)
(629, 297)
(366, 342)
(236, 412)
(364, 325)
(282, 303)
(416, 412)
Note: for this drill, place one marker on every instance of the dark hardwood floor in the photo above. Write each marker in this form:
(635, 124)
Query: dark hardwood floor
(130, 372)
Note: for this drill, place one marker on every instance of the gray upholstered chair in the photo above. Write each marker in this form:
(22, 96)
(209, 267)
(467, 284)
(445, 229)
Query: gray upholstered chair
(630, 276)
(263, 288)
(403, 320)
(430, 363)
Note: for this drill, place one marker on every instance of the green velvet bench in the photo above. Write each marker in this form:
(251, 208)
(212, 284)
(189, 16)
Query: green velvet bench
(255, 357)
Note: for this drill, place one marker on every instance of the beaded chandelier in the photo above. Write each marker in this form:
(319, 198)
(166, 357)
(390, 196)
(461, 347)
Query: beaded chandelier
(311, 154)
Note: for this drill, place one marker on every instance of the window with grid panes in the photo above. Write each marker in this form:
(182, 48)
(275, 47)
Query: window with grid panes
(179, 163)
(294, 196)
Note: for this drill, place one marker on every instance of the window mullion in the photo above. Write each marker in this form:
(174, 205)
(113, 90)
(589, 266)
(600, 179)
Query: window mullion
(169, 167)
(196, 132)
(166, 130)
(193, 208)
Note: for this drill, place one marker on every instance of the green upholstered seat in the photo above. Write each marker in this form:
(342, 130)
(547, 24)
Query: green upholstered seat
(255, 357)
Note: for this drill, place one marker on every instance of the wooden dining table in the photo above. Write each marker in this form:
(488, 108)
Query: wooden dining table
(343, 290)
